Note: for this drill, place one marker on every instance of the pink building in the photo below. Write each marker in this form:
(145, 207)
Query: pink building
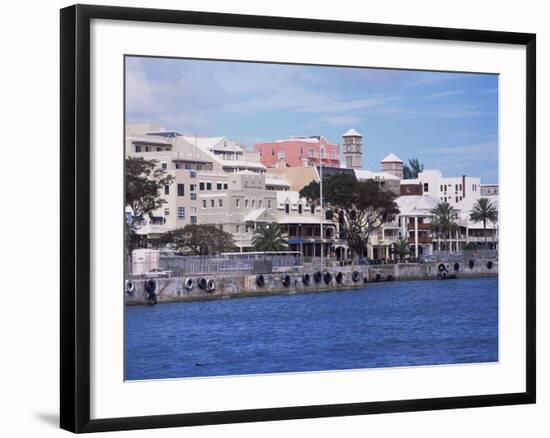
(299, 151)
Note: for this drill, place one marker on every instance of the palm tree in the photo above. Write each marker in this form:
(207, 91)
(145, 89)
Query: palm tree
(483, 211)
(411, 170)
(444, 220)
(401, 248)
(269, 237)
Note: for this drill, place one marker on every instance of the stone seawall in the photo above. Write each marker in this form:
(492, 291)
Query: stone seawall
(246, 285)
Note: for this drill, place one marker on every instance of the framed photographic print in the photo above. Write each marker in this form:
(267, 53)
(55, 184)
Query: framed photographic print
(270, 218)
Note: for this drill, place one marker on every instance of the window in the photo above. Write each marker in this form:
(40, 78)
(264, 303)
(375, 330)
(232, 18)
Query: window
(178, 166)
(260, 203)
(287, 208)
(181, 189)
(426, 187)
(164, 165)
(212, 203)
(299, 208)
(166, 212)
(301, 150)
(456, 187)
(192, 174)
(204, 203)
(460, 187)
(272, 152)
(311, 152)
(201, 186)
(166, 189)
(193, 219)
(246, 203)
(219, 186)
(237, 203)
(181, 213)
(456, 199)
(312, 208)
(220, 203)
(253, 203)
(138, 148)
(208, 186)
(269, 203)
(147, 149)
(237, 228)
(159, 149)
(225, 186)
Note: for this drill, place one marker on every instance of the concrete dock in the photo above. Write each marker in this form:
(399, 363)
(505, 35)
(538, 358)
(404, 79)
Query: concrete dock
(221, 286)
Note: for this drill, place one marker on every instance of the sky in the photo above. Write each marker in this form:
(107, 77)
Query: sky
(449, 121)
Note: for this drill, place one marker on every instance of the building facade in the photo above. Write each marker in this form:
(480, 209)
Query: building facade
(299, 152)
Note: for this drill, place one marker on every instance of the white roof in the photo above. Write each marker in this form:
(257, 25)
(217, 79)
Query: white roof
(392, 158)
(276, 182)
(416, 205)
(362, 174)
(300, 139)
(254, 215)
(289, 196)
(243, 164)
(352, 133)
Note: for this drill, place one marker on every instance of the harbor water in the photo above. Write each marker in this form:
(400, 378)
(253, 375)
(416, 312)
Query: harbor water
(388, 324)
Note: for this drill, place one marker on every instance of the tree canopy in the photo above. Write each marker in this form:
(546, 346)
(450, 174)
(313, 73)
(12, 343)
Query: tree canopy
(411, 170)
(484, 211)
(144, 180)
(203, 239)
(362, 206)
(270, 237)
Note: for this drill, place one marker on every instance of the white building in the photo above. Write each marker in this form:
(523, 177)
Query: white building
(447, 189)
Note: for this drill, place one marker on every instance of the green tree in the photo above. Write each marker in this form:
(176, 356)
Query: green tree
(144, 180)
(411, 170)
(269, 237)
(203, 239)
(484, 211)
(444, 217)
(361, 205)
(401, 248)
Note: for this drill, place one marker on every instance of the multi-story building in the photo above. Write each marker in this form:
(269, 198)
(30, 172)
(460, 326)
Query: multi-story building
(447, 189)
(215, 182)
(299, 152)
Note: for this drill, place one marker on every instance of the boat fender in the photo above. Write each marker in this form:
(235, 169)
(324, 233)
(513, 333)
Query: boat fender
(286, 280)
(389, 278)
(355, 276)
(471, 264)
(317, 276)
(444, 275)
(306, 279)
(456, 267)
(339, 277)
(489, 265)
(189, 283)
(441, 267)
(327, 277)
(150, 286)
(211, 285)
(130, 287)
(260, 280)
(202, 283)
(151, 298)
(378, 277)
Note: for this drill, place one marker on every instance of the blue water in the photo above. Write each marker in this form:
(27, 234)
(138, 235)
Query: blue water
(384, 325)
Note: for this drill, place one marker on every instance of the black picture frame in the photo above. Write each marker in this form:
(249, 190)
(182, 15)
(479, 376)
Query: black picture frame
(75, 217)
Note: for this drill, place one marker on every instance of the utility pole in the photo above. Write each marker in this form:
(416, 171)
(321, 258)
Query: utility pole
(321, 201)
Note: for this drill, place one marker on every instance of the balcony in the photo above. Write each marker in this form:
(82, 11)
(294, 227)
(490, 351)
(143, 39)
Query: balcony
(423, 240)
(410, 227)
